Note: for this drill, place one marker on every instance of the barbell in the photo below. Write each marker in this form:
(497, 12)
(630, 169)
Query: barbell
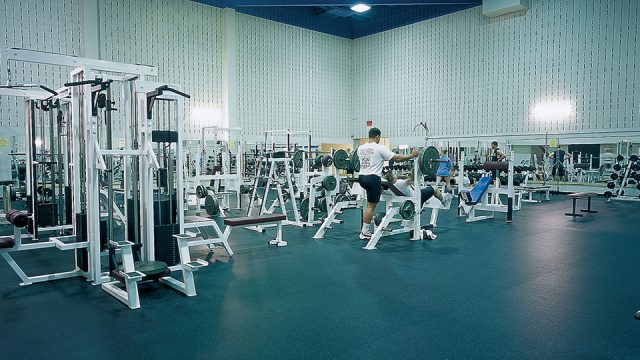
(319, 161)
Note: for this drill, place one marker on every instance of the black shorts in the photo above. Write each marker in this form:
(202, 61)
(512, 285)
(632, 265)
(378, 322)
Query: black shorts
(373, 185)
(426, 193)
(557, 170)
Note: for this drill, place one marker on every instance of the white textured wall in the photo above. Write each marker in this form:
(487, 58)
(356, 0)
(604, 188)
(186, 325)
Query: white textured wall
(180, 37)
(468, 75)
(292, 78)
(287, 77)
(464, 74)
(37, 25)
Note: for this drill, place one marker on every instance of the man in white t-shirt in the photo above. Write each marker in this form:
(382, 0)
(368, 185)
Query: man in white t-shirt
(372, 156)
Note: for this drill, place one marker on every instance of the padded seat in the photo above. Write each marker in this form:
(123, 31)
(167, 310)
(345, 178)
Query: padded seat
(152, 270)
(6, 182)
(250, 220)
(580, 195)
(474, 196)
(6, 242)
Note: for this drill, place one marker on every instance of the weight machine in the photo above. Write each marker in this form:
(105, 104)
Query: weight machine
(486, 197)
(279, 171)
(89, 169)
(220, 163)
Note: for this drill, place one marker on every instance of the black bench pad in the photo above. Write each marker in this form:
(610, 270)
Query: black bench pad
(6, 242)
(582, 195)
(250, 220)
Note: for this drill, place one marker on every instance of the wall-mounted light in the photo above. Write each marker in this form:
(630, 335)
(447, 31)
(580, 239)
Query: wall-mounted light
(552, 110)
(360, 8)
(206, 116)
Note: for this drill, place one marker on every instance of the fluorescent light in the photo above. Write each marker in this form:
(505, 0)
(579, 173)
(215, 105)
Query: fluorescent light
(552, 110)
(206, 116)
(360, 8)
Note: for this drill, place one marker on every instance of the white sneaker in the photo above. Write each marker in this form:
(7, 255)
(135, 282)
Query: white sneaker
(365, 236)
(446, 201)
(429, 235)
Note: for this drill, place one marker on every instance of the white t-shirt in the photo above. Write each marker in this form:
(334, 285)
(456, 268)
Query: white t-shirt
(404, 187)
(372, 157)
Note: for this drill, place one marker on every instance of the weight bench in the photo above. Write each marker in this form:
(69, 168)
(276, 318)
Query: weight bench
(530, 189)
(255, 220)
(394, 190)
(474, 196)
(581, 195)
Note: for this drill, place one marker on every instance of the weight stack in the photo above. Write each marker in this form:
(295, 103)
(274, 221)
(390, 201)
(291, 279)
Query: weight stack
(68, 207)
(165, 244)
(47, 214)
(165, 227)
(82, 255)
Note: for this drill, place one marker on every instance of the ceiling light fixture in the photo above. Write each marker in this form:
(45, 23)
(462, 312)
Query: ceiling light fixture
(360, 8)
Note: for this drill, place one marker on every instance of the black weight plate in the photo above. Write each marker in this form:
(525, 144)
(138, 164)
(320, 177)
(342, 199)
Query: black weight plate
(304, 208)
(329, 183)
(407, 210)
(377, 218)
(355, 161)
(298, 159)
(201, 192)
(427, 161)
(211, 205)
(327, 160)
(340, 159)
(322, 205)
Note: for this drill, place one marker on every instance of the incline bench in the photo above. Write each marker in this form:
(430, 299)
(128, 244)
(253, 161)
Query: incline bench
(581, 195)
(255, 220)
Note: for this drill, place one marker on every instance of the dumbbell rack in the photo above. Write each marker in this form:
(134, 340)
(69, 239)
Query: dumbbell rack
(621, 176)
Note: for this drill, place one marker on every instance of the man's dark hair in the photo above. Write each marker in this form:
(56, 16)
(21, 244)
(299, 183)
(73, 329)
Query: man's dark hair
(373, 132)
(494, 143)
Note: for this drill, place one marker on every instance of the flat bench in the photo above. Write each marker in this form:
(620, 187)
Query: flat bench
(256, 220)
(530, 189)
(581, 195)
(253, 220)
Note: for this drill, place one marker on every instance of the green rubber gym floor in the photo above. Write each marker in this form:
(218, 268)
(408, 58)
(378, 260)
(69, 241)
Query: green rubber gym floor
(545, 286)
